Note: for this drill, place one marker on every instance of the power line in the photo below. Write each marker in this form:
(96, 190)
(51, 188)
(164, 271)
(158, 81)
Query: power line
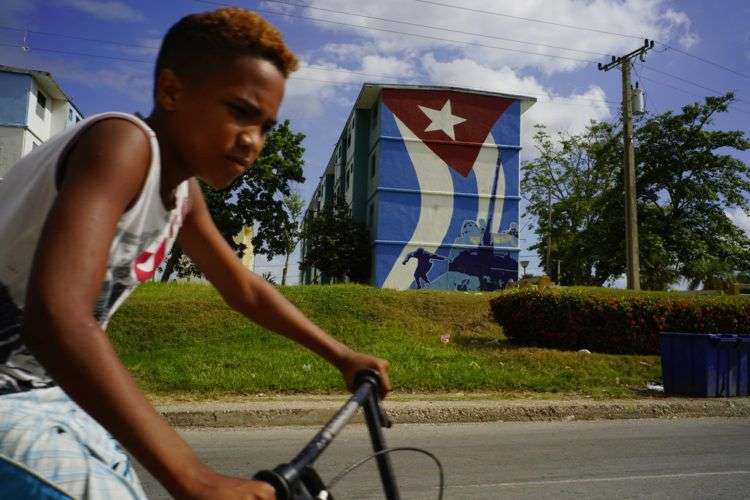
(530, 19)
(427, 37)
(72, 53)
(550, 100)
(685, 80)
(81, 38)
(707, 61)
(585, 28)
(741, 110)
(441, 28)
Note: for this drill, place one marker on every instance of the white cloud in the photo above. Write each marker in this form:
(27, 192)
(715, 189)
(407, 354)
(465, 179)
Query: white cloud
(569, 113)
(313, 89)
(147, 48)
(740, 219)
(687, 40)
(677, 18)
(277, 6)
(127, 80)
(389, 67)
(108, 10)
(348, 51)
(647, 18)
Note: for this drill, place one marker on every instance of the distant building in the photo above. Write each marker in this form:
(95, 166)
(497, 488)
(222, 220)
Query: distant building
(33, 108)
(434, 173)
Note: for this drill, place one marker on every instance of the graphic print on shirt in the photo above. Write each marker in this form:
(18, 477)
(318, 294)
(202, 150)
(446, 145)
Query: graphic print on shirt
(19, 370)
(137, 259)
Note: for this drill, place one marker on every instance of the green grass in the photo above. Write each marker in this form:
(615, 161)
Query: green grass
(180, 340)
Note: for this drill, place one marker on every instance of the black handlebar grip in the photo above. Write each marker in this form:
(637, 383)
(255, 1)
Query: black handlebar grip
(279, 483)
(368, 375)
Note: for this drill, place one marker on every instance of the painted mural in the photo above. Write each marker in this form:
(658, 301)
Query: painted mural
(447, 190)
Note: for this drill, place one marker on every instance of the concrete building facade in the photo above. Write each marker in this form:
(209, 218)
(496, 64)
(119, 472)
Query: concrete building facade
(434, 173)
(33, 108)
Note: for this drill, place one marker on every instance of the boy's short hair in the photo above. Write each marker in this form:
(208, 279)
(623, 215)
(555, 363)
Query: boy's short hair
(201, 43)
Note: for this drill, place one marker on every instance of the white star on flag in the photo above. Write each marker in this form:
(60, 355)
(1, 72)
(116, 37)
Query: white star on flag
(442, 119)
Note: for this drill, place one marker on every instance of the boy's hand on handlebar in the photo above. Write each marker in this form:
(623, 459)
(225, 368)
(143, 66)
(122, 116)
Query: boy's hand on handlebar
(230, 488)
(354, 362)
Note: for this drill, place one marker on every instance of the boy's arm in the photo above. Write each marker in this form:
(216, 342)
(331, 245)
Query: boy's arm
(104, 173)
(258, 300)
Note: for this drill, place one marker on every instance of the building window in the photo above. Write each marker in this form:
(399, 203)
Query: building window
(375, 114)
(70, 115)
(371, 215)
(41, 104)
(78, 119)
(372, 165)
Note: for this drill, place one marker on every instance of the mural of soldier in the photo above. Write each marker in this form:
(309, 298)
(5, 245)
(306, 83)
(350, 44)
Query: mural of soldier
(424, 264)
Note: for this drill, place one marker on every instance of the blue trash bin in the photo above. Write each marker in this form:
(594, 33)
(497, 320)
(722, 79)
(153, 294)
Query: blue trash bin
(705, 364)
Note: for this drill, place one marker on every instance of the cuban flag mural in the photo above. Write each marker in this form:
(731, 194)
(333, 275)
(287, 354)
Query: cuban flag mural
(446, 190)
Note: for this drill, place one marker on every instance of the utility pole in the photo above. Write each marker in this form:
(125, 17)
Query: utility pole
(631, 214)
(549, 231)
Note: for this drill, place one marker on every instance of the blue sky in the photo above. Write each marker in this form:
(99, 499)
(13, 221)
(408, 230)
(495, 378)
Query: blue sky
(341, 51)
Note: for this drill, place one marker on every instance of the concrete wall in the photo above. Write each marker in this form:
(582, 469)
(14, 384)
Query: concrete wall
(11, 147)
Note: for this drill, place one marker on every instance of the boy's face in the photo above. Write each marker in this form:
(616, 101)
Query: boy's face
(218, 124)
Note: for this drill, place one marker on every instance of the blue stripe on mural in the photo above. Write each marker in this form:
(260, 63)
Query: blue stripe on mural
(510, 207)
(506, 129)
(510, 167)
(398, 213)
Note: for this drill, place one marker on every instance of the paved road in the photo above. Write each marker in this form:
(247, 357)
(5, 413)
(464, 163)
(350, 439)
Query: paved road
(688, 458)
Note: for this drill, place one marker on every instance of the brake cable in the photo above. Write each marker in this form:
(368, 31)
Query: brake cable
(355, 466)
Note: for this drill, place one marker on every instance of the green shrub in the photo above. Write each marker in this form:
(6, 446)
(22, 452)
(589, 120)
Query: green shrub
(614, 321)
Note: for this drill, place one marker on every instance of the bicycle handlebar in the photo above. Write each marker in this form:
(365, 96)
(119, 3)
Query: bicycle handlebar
(296, 479)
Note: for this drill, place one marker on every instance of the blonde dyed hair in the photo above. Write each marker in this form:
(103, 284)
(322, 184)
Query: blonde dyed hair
(201, 43)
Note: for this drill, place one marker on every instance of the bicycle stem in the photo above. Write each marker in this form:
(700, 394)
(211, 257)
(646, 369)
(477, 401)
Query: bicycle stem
(285, 478)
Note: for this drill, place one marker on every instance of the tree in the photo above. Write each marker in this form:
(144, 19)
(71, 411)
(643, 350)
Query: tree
(254, 199)
(294, 206)
(336, 244)
(686, 183)
(563, 187)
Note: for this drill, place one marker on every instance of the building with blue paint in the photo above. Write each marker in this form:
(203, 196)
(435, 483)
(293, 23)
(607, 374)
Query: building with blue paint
(434, 173)
(33, 108)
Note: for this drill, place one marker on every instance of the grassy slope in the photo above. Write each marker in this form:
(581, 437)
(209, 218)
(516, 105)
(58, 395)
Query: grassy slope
(182, 339)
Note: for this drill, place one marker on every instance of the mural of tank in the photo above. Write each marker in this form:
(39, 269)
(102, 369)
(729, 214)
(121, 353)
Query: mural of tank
(475, 262)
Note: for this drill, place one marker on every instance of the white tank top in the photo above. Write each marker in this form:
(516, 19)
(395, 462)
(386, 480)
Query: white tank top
(144, 236)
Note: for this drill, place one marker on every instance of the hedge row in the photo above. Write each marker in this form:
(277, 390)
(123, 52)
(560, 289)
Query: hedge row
(614, 321)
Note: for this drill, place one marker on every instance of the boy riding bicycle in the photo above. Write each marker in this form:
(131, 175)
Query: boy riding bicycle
(79, 218)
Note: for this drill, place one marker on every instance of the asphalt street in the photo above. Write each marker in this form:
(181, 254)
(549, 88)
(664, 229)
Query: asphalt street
(648, 458)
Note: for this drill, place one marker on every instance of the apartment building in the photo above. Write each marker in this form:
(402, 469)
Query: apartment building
(33, 108)
(434, 173)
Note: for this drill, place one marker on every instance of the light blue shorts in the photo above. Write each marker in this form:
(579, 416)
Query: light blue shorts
(45, 431)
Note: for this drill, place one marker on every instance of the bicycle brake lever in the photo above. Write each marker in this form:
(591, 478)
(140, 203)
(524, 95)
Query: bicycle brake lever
(385, 420)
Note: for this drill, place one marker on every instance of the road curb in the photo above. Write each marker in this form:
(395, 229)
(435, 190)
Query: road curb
(291, 413)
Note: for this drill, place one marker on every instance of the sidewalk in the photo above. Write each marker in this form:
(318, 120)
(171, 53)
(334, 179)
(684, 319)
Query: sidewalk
(283, 411)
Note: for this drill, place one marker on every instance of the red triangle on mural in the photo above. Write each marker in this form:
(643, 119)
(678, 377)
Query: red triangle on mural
(453, 124)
